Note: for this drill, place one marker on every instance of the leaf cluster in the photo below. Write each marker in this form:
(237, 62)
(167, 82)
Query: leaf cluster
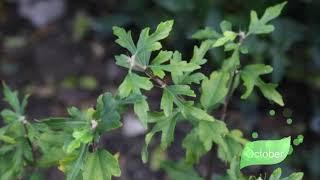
(73, 142)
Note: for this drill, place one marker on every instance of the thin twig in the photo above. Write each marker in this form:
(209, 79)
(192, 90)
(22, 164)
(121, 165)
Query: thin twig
(222, 118)
(210, 165)
(161, 83)
(229, 95)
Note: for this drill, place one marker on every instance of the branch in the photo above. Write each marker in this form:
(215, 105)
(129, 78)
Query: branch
(161, 83)
(229, 95)
(222, 118)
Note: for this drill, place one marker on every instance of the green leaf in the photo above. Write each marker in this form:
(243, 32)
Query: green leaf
(276, 174)
(220, 42)
(231, 146)
(162, 57)
(133, 98)
(50, 143)
(194, 147)
(133, 83)
(231, 64)
(250, 76)
(206, 33)
(180, 170)
(9, 116)
(167, 102)
(123, 60)
(12, 98)
(210, 132)
(214, 89)
(272, 12)
(126, 87)
(225, 26)
(194, 78)
(172, 94)
(200, 52)
(150, 43)
(230, 46)
(62, 123)
(124, 39)
(164, 124)
(162, 31)
(80, 137)
(7, 139)
(107, 115)
(260, 26)
(77, 120)
(14, 159)
(197, 58)
(227, 36)
(101, 165)
(145, 45)
(139, 82)
(176, 66)
(196, 113)
(234, 172)
(73, 171)
(294, 176)
(141, 109)
(51, 155)
(257, 27)
(181, 90)
(230, 35)
(269, 91)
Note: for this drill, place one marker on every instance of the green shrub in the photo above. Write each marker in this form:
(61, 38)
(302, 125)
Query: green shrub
(73, 143)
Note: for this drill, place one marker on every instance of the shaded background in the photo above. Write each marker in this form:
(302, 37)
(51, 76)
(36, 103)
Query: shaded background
(62, 52)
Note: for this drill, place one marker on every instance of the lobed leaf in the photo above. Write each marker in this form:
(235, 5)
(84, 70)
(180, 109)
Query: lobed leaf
(165, 125)
(206, 33)
(214, 89)
(141, 109)
(101, 165)
(133, 83)
(210, 132)
(251, 77)
(145, 45)
(106, 114)
(194, 147)
(260, 26)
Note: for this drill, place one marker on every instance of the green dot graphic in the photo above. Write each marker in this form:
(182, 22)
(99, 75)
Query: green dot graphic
(272, 112)
(300, 138)
(287, 112)
(296, 142)
(255, 135)
(289, 121)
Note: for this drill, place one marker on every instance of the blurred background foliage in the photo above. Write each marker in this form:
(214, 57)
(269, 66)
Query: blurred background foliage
(62, 52)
